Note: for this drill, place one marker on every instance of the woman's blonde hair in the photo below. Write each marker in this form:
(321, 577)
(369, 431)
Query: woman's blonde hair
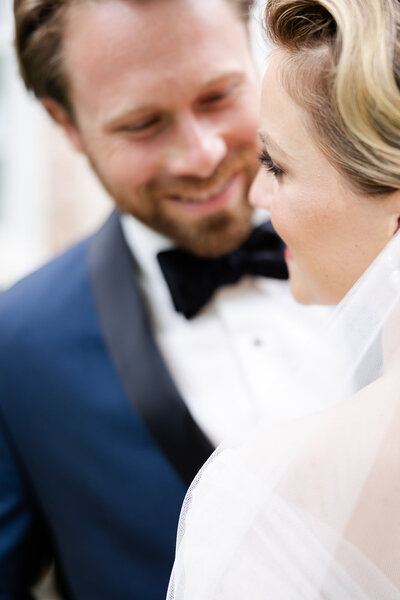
(344, 68)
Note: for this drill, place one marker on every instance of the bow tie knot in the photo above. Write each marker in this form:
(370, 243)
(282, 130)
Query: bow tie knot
(192, 280)
(232, 266)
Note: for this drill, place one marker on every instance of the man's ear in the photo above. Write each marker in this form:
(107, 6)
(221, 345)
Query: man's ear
(60, 115)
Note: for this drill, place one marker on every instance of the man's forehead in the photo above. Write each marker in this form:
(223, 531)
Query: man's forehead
(154, 29)
(108, 41)
(148, 8)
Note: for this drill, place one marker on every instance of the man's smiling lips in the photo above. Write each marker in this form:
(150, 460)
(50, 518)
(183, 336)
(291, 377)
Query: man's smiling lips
(210, 200)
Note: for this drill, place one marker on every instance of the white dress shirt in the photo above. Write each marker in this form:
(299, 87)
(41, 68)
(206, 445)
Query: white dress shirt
(224, 359)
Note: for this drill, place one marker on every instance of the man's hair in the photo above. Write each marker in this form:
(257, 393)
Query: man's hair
(343, 68)
(38, 41)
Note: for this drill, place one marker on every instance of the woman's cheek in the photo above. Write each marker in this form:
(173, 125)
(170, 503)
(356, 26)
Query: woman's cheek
(282, 221)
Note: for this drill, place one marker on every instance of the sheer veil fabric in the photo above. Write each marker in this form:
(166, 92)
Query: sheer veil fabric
(309, 508)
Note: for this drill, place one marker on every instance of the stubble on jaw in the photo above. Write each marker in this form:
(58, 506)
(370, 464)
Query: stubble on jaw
(208, 236)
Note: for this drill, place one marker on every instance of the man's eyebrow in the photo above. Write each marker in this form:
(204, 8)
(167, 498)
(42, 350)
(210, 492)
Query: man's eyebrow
(222, 77)
(270, 143)
(127, 112)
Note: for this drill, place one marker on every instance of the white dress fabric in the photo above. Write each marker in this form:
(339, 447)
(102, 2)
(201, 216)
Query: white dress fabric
(309, 509)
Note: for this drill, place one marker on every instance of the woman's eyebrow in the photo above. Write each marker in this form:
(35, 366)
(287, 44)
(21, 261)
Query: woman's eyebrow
(270, 143)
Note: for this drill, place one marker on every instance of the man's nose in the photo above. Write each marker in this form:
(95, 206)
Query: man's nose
(197, 150)
(260, 194)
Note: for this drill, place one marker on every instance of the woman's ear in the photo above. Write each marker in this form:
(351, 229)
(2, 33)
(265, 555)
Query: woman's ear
(60, 115)
(395, 200)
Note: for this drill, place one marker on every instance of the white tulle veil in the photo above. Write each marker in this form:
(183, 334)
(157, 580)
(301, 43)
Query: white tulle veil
(309, 508)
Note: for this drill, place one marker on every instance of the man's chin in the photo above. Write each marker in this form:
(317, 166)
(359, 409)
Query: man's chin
(215, 238)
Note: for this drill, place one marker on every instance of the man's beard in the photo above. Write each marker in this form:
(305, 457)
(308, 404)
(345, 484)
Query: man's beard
(209, 235)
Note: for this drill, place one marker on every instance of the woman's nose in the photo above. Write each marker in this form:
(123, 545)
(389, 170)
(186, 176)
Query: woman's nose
(261, 190)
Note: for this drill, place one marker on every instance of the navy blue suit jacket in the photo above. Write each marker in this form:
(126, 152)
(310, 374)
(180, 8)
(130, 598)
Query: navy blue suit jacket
(96, 444)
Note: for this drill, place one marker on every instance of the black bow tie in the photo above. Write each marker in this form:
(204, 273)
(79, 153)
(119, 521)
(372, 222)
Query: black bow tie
(193, 280)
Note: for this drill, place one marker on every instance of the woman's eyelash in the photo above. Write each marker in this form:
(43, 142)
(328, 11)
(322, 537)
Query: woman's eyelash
(269, 164)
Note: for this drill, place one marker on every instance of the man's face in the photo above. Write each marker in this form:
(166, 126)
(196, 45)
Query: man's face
(166, 102)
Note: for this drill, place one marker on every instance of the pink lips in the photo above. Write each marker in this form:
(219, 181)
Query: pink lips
(288, 254)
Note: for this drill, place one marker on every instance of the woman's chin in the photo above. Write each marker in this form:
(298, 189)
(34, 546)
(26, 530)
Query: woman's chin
(304, 294)
(300, 295)
(299, 289)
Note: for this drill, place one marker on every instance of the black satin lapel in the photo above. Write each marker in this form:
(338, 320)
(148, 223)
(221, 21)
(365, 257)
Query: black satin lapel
(127, 332)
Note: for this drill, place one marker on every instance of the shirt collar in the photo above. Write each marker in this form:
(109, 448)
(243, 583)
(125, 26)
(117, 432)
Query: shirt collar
(145, 244)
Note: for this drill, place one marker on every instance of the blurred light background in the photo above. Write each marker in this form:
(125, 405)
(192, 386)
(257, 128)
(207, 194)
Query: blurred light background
(48, 196)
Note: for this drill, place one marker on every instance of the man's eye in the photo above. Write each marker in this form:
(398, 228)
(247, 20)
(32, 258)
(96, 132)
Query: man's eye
(269, 164)
(223, 96)
(142, 126)
(217, 97)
